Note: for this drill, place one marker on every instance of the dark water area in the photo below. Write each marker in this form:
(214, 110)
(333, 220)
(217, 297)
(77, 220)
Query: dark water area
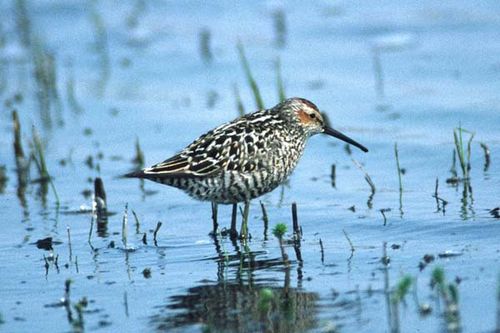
(94, 80)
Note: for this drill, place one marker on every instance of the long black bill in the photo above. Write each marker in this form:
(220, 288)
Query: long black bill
(330, 131)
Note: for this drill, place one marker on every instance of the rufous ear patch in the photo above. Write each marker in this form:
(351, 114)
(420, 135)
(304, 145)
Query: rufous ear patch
(304, 117)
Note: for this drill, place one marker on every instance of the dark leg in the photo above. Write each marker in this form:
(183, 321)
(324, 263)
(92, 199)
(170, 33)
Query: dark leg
(244, 223)
(214, 218)
(233, 234)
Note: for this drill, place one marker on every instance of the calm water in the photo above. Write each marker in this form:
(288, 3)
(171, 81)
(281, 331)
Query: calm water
(132, 70)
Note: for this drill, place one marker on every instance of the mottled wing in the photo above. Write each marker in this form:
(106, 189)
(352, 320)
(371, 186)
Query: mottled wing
(194, 161)
(237, 146)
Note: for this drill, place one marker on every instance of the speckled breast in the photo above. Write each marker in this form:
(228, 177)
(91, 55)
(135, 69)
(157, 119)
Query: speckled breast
(228, 186)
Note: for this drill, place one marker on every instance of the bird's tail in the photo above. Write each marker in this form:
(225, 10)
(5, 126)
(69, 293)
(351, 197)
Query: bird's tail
(172, 181)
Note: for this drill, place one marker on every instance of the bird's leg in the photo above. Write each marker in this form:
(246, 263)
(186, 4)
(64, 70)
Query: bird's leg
(233, 234)
(244, 223)
(214, 219)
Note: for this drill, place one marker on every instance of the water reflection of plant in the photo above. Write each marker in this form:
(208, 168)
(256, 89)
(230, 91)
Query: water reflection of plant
(240, 304)
(368, 179)
(462, 152)
(101, 47)
(22, 164)
(448, 293)
(237, 306)
(38, 156)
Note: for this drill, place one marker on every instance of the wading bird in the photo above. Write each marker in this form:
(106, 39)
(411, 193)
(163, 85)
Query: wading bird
(245, 158)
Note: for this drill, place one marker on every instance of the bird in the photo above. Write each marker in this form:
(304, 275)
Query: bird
(245, 158)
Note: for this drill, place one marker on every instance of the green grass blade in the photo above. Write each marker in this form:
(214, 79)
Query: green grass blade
(279, 81)
(250, 79)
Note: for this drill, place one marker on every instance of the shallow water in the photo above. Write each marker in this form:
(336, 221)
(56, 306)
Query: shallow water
(150, 83)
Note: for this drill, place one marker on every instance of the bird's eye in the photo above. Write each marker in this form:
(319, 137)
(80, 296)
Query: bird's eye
(312, 115)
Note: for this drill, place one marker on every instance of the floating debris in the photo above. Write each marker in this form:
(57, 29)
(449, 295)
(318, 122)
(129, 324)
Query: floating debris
(425, 309)
(426, 259)
(45, 244)
(449, 254)
(394, 42)
(146, 272)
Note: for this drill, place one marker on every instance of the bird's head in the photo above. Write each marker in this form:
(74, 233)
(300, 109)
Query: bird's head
(309, 118)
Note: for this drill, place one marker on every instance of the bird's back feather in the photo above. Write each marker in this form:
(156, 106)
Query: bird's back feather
(235, 146)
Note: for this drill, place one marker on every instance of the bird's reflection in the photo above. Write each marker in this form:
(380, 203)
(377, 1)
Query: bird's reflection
(241, 303)
(239, 307)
